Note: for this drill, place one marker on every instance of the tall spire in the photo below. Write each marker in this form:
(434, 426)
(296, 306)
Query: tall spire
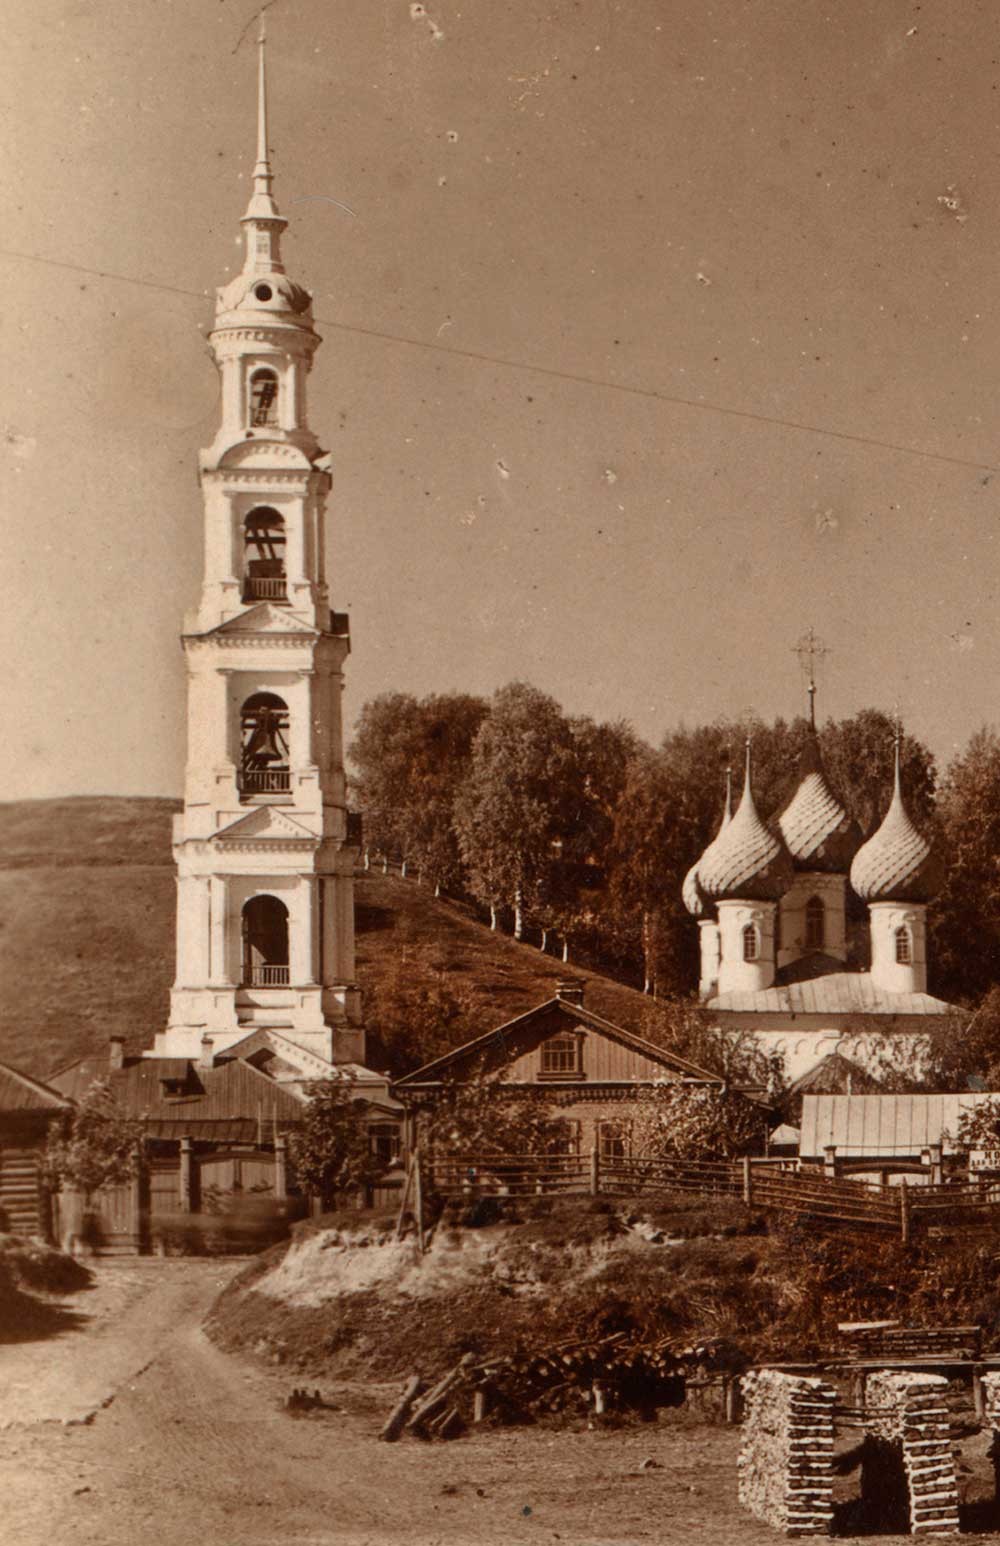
(262, 171)
(262, 205)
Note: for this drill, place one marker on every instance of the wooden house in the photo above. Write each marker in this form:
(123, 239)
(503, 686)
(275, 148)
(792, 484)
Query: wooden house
(27, 1108)
(592, 1071)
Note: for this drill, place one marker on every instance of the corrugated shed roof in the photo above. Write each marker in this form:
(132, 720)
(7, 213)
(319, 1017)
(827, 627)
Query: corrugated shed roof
(19, 1092)
(837, 993)
(863, 1125)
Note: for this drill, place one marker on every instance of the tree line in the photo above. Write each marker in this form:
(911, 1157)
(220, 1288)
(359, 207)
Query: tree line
(577, 835)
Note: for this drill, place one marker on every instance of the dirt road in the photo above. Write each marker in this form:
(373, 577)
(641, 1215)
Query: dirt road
(131, 1427)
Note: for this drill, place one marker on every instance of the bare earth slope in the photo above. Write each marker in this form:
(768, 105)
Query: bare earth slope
(87, 903)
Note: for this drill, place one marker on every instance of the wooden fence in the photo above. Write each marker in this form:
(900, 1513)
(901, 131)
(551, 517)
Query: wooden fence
(766, 1184)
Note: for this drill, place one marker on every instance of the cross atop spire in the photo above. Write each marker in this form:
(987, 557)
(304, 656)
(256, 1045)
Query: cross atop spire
(810, 650)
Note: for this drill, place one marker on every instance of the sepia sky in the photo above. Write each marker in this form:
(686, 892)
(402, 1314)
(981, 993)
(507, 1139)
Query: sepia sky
(656, 332)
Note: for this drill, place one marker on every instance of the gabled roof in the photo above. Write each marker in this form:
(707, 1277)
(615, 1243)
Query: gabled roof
(432, 1073)
(263, 618)
(265, 822)
(833, 1075)
(232, 1100)
(20, 1092)
(835, 993)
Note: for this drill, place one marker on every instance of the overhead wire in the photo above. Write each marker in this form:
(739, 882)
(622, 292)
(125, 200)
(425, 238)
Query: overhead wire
(553, 372)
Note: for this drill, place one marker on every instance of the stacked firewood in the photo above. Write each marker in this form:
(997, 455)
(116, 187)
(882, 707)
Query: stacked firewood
(907, 1417)
(786, 1460)
(574, 1375)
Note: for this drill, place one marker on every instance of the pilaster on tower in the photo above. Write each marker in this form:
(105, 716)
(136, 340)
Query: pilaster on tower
(265, 857)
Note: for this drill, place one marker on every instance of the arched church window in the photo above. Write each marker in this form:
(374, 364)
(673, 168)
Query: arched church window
(265, 943)
(264, 556)
(264, 766)
(750, 947)
(815, 923)
(263, 398)
(904, 948)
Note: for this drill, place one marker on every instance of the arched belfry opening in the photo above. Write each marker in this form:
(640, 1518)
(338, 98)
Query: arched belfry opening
(264, 766)
(265, 943)
(264, 576)
(263, 399)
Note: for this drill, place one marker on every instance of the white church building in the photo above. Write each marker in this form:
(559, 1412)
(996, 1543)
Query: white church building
(771, 904)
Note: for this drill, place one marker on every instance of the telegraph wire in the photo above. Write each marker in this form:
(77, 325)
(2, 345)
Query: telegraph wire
(650, 394)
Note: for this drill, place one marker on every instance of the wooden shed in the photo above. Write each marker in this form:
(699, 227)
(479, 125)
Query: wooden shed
(27, 1107)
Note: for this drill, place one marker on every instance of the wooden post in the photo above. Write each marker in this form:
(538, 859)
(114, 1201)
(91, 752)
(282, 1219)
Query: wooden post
(598, 1399)
(479, 1405)
(135, 1198)
(418, 1200)
(904, 1214)
(595, 1171)
(184, 1179)
(280, 1168)
(734, 1400)
(937, 1169)
(747, 1181)
(830, 1162)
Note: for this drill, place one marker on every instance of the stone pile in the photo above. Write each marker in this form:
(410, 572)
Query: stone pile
(786, 1460)
(908, 1475)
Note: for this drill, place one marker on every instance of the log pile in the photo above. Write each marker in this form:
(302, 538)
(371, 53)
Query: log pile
(991, 1405)
(907, 1419)
(575, 1375)
(786, 1460)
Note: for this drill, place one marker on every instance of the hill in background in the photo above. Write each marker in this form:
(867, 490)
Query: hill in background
(87, 900)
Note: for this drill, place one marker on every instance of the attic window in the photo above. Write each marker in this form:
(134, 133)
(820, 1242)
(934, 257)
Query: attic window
(561, 1057)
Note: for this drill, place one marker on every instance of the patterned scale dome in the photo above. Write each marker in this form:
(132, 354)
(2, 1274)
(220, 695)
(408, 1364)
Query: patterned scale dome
(746, 861)
(693, 897)
(818, 832)
(896, 864)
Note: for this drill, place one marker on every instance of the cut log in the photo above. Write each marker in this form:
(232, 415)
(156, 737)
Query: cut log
(396, 1421)
(435, 1397)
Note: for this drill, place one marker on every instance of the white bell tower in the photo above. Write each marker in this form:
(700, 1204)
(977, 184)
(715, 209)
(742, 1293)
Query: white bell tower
(265, 856)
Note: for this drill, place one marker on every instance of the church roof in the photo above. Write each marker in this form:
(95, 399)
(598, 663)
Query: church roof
(817, 831)
(691, 892)
(897, 864)
(746, 861)
(836, 993)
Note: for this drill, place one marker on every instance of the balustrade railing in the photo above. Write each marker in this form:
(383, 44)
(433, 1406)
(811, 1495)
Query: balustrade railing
(265, 588)
(264, 780)
(267, 976)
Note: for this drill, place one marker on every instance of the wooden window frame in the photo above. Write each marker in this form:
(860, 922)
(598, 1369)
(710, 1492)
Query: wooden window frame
(557, 1046)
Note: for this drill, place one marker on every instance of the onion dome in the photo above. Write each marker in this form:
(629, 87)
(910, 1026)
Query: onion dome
(746, 862)
(693, 897)
(818, 832)
(896, 864)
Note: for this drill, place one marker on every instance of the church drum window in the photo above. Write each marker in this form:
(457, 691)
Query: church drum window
(904, 949)
(263, 399)
(265, 943)
(264, 766)
(561, 1057)
(264, 556)
(751, 950)
(815, 923)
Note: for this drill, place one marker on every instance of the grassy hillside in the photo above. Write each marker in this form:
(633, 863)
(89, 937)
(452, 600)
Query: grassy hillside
(87, 935)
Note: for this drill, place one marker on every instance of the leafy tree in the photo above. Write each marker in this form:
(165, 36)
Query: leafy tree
(979, 1129)
(382, 752)
(95, 1144)
(330, 1152)
(439, 753)
(686, 1029)
(964, 923)
(517, 800)
(415, 1013)
(678, 1121)
(483, 1117)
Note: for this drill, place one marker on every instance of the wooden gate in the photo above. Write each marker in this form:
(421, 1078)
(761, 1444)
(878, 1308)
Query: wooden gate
(110, 1224)
(232, 1171)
